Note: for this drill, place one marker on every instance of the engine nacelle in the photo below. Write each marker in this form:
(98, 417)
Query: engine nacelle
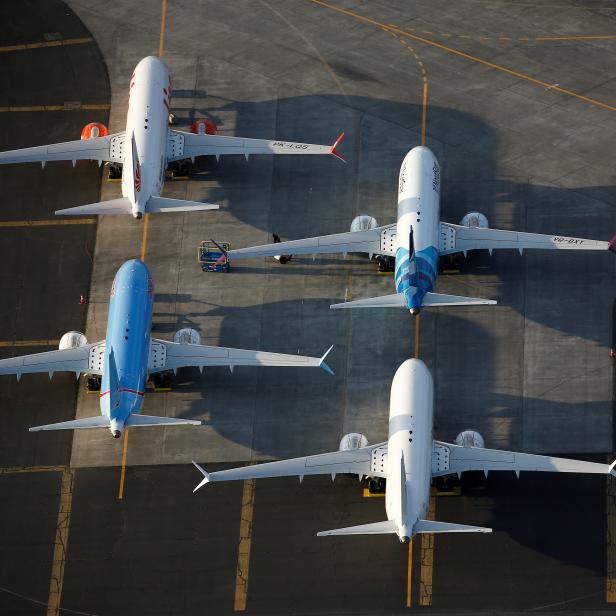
(72, 340)
(187, 336)
(363, 223)
(353, 440)
(470, 438)
(94, 129)
(474, 220)
(203, 126)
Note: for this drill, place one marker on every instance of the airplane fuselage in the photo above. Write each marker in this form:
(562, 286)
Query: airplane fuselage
(419, 190)
(147, 122)
(410, 435)
(127, 344)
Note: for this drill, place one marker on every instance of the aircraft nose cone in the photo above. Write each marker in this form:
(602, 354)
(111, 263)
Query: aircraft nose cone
(116, 434)
(414, 311)
(404, 539)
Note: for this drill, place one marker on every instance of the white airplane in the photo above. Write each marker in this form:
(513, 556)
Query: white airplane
(408, 461)
(417, 240)
(148, 144)
(128, 355)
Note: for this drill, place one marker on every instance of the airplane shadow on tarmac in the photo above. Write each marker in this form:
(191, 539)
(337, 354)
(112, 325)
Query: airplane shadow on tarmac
(318, 195)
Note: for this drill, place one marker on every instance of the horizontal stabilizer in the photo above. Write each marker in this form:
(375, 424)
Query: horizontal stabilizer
(151, 420)
(376, 528)
(162, 204)
(439, 299)
(114, 206)
(86, 422)
(385, 301)
(430, 526)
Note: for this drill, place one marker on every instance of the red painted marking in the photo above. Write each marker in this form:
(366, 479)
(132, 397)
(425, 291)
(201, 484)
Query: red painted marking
(132, 391)
(137, 178)
(333, 150)
(103, 394)
(150, 287)
(166, 103)
(611, 245)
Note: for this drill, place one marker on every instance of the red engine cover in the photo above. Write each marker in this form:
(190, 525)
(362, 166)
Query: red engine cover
(94, 129)
(203, 126)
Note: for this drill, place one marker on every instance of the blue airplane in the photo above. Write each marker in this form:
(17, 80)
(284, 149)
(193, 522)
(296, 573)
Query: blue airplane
(128, 355)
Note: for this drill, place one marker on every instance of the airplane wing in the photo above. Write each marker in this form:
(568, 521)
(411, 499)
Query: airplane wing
(78, 360)
(448, 459)
(457, 238)
(377, 241)
(109, 148)
(172, 355)
(189, 145)
(364, 461)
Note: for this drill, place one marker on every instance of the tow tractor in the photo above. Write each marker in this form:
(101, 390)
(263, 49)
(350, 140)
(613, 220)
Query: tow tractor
(212, 256)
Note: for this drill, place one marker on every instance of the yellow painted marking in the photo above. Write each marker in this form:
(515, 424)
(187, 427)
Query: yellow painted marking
(368, 494)
(417, 329)
(161, 40)
(431, 43)
(607, 37)
(409, 575)
(61, 543)
(610, 591)
(144, 245)
(123, 468)
(25, 108)
(243, 556)
(427, 559)
(43, 44)
(7, 224)
(28, 343)
(424, 112)
(12, 470)
(144, 237)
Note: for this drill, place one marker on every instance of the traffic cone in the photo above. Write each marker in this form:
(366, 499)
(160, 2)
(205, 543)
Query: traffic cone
(82, 299)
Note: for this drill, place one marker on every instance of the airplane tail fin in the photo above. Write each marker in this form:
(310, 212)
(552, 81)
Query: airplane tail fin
(76, 424)
(163, 204)
(430, 526)
(114, 206)
(377, 528)
(396, 300)
(440, 299)
(152, 420)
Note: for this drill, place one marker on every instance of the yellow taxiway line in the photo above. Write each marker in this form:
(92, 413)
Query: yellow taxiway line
(61, 543)
(45, 44)
(28, 343)
(610, 590)
(13, 470)
(427, 560)
(467, 56)
(243, 556)
(10, 224)
(144, 246)
(67, 107)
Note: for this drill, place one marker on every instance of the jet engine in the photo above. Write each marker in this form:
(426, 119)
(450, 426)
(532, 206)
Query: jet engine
(72, 340)
(203, 126)
(470, 438)
(363, 223)
(187, 336)
(353, 440)
(474, 220)
(94, 129)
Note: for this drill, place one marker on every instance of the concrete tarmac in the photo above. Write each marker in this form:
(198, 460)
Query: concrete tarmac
(532, 374)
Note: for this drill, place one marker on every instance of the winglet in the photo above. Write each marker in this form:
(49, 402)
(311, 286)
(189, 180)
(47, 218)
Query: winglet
(322, 363)
(611, 470)
(333, 150)
(611, 245)
(205, 474)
